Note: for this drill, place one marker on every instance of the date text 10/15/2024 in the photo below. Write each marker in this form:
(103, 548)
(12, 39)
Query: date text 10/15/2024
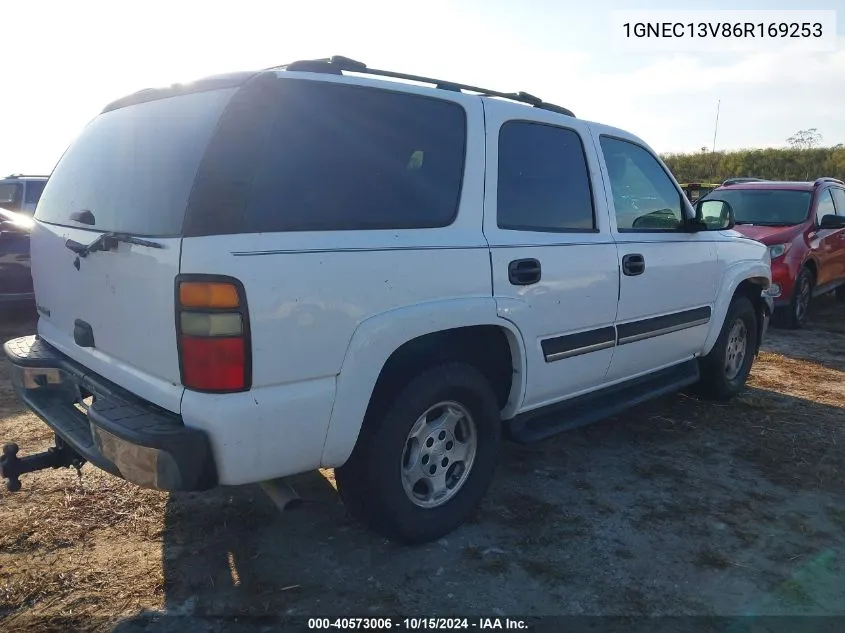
(418, 624)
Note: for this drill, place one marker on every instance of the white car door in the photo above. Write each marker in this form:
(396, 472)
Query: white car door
(668, 275)
(553, 258)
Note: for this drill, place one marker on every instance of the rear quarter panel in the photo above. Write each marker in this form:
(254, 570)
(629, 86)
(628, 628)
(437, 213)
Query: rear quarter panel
(308, 293)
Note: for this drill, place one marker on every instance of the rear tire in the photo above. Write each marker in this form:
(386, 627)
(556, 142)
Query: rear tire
(725, 369)
(398, 478)
(840, 293)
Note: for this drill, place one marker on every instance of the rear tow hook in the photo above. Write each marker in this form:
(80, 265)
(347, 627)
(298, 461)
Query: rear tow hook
(58, 456)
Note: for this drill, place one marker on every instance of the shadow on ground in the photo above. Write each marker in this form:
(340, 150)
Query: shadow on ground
(821, 341)
(676, 508)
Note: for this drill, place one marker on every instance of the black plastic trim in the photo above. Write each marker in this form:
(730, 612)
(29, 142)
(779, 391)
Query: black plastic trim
(550, 420)
(114, 410)
(656, 326)
(338, 64)
(570, 345)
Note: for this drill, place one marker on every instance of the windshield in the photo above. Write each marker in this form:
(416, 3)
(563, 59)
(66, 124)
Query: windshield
(768, 207)
(132, 169)
(10, 195)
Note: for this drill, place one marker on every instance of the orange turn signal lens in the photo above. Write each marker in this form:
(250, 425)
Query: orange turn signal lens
(201, 294)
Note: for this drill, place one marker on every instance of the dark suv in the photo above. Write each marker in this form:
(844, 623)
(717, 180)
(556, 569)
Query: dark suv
(803, 224)
(19, 196)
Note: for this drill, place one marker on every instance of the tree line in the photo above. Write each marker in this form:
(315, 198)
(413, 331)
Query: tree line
(793, 163)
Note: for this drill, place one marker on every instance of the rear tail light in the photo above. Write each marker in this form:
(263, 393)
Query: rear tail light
(212, 325)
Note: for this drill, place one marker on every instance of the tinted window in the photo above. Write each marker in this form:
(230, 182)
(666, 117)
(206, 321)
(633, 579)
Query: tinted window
(644, 197)
(134, 167)
(838, 199)
(774, 207)
(294, 155)
(10, 195)
(33, 191)
(825, 205)
(544, 184)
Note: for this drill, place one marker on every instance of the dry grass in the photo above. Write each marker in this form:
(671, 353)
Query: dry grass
(82, 555)
(68, 514)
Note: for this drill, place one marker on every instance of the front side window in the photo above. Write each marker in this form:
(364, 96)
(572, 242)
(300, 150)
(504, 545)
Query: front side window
(544, 183)
(825, 205)
(644, 197)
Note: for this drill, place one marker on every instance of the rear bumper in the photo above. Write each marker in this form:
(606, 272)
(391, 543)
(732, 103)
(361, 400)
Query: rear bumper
(119, 433)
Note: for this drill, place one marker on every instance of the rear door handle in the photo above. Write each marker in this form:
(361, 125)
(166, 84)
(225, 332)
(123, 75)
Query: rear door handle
(633, 264)
(524, 272)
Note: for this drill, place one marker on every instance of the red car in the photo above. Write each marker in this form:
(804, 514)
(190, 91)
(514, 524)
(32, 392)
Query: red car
(803, 224)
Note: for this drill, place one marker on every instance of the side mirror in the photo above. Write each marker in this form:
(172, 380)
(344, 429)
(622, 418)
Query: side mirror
(714, 215)
(831, 221)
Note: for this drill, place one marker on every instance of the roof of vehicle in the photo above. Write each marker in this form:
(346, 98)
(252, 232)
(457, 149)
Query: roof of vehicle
(23, 177)
(338, 66)
(799, 185)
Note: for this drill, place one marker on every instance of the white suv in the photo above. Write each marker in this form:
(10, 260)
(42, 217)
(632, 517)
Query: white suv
(325, 265)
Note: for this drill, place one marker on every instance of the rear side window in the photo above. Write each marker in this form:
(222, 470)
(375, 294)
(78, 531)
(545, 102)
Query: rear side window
(299, 155)
(133, 168)
(544, 184)
(34, 188)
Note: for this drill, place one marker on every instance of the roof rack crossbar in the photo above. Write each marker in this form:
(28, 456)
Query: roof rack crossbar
(339, 64)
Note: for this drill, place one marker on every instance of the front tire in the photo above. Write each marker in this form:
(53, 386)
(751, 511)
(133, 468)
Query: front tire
(725, 369)
(795, 315)
(424, 461)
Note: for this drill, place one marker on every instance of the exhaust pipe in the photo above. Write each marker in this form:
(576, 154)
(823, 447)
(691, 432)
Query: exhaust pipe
(281, 493)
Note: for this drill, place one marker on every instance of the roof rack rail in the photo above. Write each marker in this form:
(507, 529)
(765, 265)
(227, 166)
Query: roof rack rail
(736, 181)
(827, 179)
(26, 176)
(338, 64)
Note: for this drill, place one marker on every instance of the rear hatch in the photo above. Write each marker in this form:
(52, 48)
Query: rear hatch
(129, 174)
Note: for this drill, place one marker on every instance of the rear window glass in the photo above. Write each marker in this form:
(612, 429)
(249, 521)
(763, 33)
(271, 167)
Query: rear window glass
(133, 168)
(298, 155)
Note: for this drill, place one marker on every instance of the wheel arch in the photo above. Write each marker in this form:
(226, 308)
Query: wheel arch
(812, 265)
(739, 280)
(384, 348)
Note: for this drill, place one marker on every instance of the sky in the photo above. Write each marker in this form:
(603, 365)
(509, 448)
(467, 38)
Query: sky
(65, 60)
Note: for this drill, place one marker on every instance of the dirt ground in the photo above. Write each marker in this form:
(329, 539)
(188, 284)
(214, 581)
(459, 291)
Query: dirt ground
(678, 507)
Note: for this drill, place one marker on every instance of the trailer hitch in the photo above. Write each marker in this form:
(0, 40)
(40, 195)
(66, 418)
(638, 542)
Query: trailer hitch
(58, 456)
